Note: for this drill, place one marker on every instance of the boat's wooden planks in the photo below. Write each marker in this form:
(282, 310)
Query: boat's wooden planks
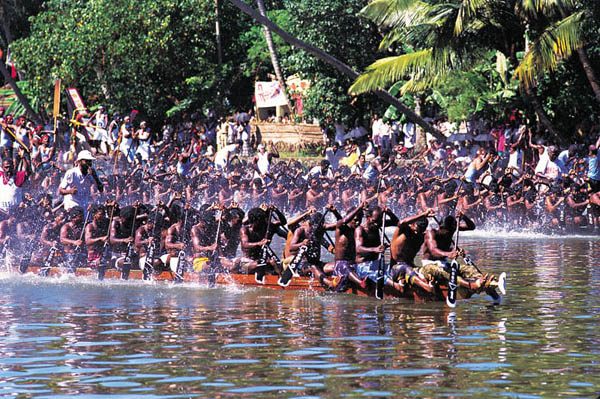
(297, 283)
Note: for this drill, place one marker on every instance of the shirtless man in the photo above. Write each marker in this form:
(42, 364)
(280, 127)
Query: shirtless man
(406, 243)
(203, 241)
(310, 234)
(369, 247)
(177, 237)
(439, 247)
(50, 238)
(255, 235)
(96, 234)
(70, 239)
(344, 271)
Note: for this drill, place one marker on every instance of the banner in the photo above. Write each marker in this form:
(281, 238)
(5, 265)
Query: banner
(56, 108)
(76, 99)
(269, 94)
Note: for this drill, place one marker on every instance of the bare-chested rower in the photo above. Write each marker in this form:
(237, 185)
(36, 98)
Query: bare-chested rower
(344, 271)
(439, 247)
(406, 243)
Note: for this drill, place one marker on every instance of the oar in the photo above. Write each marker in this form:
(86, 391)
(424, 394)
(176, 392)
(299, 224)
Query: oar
(25, 259)
(126, 268)
(379, 286)
(290, 272)
(259, 275)
(103, 259)
(149, 263)
(45, 270)
(78, 253)
(452, 284)
(212, 275)
(178, 278)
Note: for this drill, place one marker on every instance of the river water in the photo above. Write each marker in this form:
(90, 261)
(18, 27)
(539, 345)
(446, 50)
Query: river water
(65, 337)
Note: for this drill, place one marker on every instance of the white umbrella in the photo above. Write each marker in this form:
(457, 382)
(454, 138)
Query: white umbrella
(483, 137)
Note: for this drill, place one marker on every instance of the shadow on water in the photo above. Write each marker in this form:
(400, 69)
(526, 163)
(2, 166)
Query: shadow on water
(66, 337)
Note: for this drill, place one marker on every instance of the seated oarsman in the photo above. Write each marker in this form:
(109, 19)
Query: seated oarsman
(369, 247)
(229, 237)
(406, 243)
(344, 272)
(96, 234)
(253, 236)
(204, 242)
(148, 233)
(70, 239)
(577, 201)
(50, 238)
(120, 235)
(552, 205)
(437, 250)
(595, 208)
(177, 238)
(310, 234)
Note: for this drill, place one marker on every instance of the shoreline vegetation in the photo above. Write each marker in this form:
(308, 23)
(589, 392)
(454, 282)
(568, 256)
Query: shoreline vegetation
(480, 60)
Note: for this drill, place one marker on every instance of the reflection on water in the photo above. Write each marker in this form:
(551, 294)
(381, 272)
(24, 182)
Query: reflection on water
(65, 337)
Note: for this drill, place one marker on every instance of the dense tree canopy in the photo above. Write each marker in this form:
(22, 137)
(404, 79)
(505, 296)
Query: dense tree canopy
(458, 56)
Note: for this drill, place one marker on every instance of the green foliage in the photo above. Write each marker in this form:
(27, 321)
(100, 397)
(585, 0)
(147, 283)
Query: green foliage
(258, 59)
(335, 27)
(133, 53)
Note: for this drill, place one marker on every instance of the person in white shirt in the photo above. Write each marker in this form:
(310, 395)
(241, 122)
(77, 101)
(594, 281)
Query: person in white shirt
(11, 186)
(77, 183)
(333, 155)
(224, 155)
(262, 161)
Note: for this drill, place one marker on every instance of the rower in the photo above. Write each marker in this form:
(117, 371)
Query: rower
(50, 237)
(310, 234)
(204, 243)
(406, 243)
(229, 237)
(70, 234)
(368, 243)
(95, 236)
(438, 248)
(253, 236)
(177, 235)
(120, 235)
(344, 272)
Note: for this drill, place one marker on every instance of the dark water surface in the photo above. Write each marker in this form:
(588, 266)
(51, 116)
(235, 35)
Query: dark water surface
(68, 337)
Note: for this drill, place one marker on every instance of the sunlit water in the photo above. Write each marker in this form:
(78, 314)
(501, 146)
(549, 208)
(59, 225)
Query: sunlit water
(62, 337)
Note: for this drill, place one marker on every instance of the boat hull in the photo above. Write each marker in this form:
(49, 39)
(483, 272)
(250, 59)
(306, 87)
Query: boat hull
(245, 280)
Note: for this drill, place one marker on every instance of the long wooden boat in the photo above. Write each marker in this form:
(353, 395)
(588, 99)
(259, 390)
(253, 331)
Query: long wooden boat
(245, 280)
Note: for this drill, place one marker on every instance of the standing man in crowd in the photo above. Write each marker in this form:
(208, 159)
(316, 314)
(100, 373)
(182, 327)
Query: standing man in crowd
(77, 182)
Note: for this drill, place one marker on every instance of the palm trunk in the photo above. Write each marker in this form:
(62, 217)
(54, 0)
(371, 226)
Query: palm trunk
(337, 64)
(585, 63)
(589, 72)
(32, 114)
(273, 53)
(541, 114)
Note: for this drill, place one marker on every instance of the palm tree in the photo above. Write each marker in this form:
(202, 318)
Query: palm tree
(337, 64)
(448, 37)
(273, 53)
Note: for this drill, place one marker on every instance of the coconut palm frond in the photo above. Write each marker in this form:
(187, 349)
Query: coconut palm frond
(391, 13)
(386, 71)
(556, 43)
(466, 13)
(423, 66)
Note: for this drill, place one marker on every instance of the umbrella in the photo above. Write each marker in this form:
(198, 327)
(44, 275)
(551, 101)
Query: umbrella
(483, 137)
(459, 137)
(241, 117)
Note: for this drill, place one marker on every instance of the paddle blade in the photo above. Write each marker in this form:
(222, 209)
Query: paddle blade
(452, 284)
(502, 283)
